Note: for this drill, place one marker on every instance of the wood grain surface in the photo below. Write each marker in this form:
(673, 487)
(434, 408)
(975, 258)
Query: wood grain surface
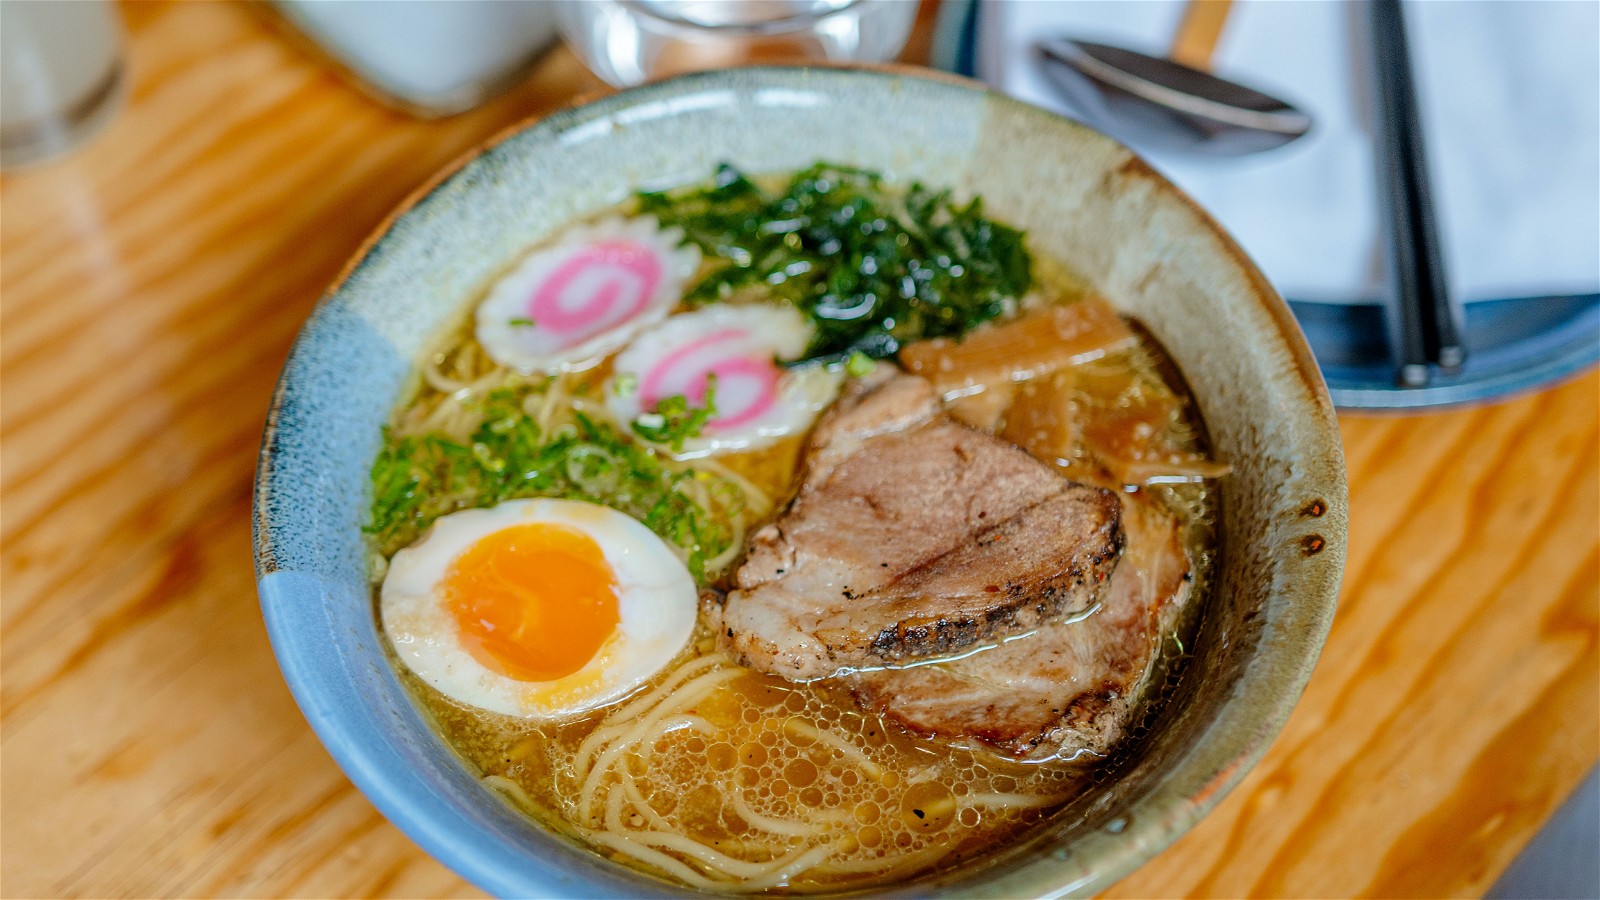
(150, 286)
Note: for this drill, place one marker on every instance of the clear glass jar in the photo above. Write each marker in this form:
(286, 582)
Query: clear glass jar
(60, 75)
(629, 42)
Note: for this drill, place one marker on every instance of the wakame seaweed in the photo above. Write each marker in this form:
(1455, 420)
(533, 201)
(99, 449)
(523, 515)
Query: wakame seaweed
(418, 478)
(872, 266)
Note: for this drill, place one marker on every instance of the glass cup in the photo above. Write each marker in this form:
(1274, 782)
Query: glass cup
(629, 42)
(60, 75)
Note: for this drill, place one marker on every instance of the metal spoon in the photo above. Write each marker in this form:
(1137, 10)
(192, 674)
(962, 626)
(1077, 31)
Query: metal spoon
(1171, 103)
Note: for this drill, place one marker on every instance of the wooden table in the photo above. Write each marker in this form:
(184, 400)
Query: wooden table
(151, 285)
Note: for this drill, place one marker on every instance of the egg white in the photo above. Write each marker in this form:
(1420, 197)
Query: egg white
(517, 345)
(656, 599)
(765, 333)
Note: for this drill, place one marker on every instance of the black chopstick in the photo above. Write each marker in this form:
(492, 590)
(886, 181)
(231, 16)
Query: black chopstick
(1425, 323)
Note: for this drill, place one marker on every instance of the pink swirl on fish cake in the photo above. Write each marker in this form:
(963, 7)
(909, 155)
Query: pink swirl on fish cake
(594, 290)
(747, 385)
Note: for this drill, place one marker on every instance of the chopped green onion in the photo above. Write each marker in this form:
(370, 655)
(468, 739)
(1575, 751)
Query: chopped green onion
(418, 478)
(675, 420)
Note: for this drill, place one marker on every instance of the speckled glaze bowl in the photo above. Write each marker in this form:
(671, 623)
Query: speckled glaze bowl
(1082, 197)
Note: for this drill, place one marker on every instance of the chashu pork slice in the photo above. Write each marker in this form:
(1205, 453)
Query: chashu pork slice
(1068, 689)
(913, 536)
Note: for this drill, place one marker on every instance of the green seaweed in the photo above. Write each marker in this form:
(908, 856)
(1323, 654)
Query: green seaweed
(873, 267)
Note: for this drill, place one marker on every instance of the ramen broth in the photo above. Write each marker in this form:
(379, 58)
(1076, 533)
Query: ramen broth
(717, 776)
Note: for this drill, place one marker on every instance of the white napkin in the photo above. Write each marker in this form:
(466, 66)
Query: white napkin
(1510, 95)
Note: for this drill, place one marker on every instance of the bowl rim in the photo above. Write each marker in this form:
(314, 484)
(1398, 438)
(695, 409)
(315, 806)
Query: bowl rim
(1295, 661)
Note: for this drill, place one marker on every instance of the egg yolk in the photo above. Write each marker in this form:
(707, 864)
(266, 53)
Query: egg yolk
(533, 602)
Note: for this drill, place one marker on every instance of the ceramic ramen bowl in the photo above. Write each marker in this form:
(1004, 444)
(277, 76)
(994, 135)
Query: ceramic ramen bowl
(1083, 199)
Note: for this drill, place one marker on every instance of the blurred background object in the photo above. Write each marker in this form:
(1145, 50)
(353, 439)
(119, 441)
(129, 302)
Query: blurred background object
(1171, 101)
(1509, 100)
(1560, 862)
(60, 75)
(629, 42)
(428, 57)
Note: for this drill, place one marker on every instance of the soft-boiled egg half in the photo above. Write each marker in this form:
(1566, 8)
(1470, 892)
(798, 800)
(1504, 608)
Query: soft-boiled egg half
(733, 351)
(568, 306)
(538, 608)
